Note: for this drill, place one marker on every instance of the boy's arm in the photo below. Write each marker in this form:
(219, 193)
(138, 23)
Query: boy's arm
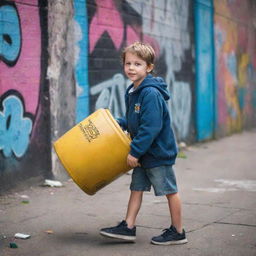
(150, 124)
(122, 122)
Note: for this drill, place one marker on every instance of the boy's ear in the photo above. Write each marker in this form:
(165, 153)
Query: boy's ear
(150, 68)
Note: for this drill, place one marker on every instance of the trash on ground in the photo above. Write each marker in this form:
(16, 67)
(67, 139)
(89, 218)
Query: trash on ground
(24, 196)
(13, 245)
(52, 183)
(25, 201)
(21, 236)
(49, 231)
(182, 145)
(181, 154)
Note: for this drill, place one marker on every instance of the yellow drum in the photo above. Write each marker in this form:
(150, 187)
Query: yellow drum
(94, 152)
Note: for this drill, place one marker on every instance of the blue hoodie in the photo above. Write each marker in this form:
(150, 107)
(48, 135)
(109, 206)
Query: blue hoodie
(148, 122)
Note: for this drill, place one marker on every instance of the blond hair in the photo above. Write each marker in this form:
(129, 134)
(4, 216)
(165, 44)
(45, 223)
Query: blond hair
(142, 50)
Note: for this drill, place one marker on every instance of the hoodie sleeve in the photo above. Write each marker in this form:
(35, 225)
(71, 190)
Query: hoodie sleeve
(122, 122)
(151, 122)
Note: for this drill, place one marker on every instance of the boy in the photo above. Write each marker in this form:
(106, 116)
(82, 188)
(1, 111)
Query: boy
(153, 148)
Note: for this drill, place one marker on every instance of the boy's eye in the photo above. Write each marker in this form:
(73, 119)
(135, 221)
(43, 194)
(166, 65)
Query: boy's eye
(137, 64)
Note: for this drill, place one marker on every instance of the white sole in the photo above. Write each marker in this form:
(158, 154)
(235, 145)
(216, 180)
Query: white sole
(122, 237)
(183, 241)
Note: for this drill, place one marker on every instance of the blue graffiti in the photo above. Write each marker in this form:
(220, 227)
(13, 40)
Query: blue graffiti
(14, 128)
(254, 99)
(241, 97)
(251, 71)
(81, 67)
(232, 64)
(10, 34)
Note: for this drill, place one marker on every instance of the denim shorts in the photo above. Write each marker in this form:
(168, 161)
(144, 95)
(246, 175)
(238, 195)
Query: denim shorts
(162, 179)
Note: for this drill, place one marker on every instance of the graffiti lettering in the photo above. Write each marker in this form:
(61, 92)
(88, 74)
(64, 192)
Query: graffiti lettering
(167, 26)
(103, 21)
(111, 94)
(10, 36)
(235, 66)
(181, 102)
(15, 129)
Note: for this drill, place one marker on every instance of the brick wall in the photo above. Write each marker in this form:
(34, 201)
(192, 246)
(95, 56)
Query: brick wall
(168, 27)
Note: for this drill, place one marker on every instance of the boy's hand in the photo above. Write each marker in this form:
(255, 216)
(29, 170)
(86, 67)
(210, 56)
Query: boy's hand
(132, 161)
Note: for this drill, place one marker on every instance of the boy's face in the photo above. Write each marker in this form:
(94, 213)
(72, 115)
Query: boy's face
(135, 68)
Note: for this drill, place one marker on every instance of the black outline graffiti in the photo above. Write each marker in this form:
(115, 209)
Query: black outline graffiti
(25, 114)
(6, 61)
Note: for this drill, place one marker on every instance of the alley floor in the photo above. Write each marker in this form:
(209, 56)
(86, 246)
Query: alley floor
(217, 184)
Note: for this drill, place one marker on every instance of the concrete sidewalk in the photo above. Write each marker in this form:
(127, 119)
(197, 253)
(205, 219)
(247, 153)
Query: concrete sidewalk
(217, 183)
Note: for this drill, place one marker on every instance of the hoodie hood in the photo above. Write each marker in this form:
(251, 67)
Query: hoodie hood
(156, 82)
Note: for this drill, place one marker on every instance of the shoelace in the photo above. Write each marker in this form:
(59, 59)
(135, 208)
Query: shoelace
(122, 224)
(167, 232)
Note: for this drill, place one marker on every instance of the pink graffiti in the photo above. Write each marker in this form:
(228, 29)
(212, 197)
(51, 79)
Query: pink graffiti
(222, 110)
(106, 15)
(153, 42)
(107, 19)
(133, 34)
(25, 75)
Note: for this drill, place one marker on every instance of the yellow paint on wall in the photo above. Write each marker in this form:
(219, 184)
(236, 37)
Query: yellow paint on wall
(242, 69)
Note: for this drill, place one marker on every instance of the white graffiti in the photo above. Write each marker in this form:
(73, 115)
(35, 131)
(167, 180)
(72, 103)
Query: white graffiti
(168, 24)
(111, 94)
(181, 101)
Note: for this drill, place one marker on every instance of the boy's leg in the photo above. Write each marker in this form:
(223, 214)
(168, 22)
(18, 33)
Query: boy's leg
(174, 204)
(164, 182)
(126, 230)
(175, 234)
(133, 207)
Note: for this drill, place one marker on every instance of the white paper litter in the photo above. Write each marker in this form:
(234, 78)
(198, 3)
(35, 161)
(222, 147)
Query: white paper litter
(24, 196)
(53, 183)
(21, 236)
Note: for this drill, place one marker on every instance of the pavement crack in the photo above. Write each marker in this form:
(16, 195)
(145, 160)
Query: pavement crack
(142, 226)
(196, 229)
(213, 222)
(213, 205)
(236, 224)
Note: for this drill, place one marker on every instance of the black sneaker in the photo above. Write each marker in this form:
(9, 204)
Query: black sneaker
(121, 231)
(170, 236)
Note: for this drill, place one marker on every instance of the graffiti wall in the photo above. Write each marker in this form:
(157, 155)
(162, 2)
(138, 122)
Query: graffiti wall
(235, 46)
(24, 130)
(60, 61)
(167, 26)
